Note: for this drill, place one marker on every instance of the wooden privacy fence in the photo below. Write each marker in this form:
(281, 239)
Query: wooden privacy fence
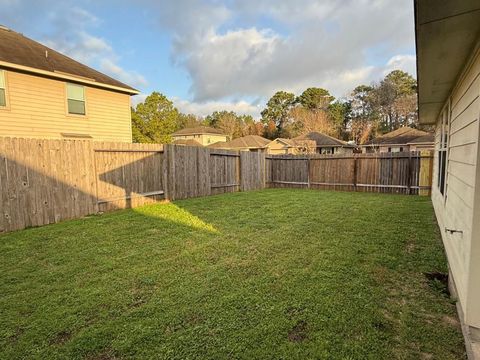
(46, 181)
(405, 173)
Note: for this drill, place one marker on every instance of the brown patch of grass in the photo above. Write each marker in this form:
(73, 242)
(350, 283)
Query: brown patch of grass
(61, 338)
(451, 321)
(299, 332)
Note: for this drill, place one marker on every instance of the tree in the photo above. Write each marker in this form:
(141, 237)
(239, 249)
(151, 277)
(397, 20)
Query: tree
(363, 114)
(228, 121)
(277, 110)
(403, 82)
(396, 100)
(154, 120)
(315, 99)
(188, 120)
(340, 115)
(305, 121)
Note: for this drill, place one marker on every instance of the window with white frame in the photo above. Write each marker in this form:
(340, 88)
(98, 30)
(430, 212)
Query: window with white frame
(443, 150)
(3, 89)
(76, 99)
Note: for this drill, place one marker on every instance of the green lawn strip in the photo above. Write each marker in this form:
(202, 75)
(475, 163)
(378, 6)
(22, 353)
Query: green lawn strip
(266, 274)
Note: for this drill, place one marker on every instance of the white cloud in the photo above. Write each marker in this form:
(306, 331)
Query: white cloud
(130, 77)
(406, 63)
(316, 43)
(206, 108)
(81, 45)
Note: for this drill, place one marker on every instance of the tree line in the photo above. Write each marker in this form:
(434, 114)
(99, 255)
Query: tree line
(368, 111)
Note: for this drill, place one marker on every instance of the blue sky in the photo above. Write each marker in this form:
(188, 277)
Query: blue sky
(233, 54)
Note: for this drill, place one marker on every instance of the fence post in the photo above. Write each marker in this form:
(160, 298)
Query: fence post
(409, 178)
(169, 171)
(308, 171)
(354, 172)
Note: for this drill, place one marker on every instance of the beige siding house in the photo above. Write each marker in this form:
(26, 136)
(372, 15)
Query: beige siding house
(448, 58)
(281, 146)
(203, 135)
(44, 94)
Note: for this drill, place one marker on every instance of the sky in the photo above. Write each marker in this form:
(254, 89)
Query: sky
(208, 55)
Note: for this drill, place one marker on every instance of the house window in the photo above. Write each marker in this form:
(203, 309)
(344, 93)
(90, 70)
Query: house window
(442, 152)
(3, 87)
(76, 99)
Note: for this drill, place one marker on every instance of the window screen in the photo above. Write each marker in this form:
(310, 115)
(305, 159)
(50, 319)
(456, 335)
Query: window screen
(3, 98)
(76, 99)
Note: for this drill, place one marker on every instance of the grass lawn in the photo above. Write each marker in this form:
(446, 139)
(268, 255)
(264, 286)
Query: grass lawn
(279, 274)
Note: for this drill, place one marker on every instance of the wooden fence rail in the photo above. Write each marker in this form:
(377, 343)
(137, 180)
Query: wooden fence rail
(405, 173)
(46, 181)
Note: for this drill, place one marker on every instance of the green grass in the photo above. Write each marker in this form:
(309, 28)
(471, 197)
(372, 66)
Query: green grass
(280, 274)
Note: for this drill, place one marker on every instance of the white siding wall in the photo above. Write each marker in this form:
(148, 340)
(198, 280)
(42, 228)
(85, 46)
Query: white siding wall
(456, 209)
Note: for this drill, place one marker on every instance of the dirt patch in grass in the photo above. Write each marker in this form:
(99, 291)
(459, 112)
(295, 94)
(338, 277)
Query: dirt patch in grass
(299, 332)
(61, 338)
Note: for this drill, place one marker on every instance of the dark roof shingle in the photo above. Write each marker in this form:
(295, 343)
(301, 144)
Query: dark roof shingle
(323, 140)
(20, 50)
(401, 136)
(249, 141)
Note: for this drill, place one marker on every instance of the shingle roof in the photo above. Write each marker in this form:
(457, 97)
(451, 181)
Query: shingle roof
(429, 138)
(323, 140)
(249, 141)
(20, 50)
(187, 142)
(403, 135)
(219, 145)
(199, 130)
(296, 142)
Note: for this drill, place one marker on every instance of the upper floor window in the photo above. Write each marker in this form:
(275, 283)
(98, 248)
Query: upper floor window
(3, 96)
(76, 99)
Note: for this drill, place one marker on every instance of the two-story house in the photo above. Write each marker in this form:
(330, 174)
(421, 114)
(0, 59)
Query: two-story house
(45, 94)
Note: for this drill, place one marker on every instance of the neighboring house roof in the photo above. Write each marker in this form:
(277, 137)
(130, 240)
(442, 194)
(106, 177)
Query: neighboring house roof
(198, 130)
(402, 136)
(248, 142)
(294, 142)
(425, 139)
(22, 53)
(186, 142)
(323, 140)
(219, 145)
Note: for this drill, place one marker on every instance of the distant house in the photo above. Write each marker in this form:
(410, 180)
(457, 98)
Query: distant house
(290, 146)
(402, 139)
(325, 144)
(44, 94)
(245, 143)
(204, 135)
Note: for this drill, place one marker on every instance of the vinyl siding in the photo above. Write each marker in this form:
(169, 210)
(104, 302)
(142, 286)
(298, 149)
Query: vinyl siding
(456, 210)
(37, 107)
